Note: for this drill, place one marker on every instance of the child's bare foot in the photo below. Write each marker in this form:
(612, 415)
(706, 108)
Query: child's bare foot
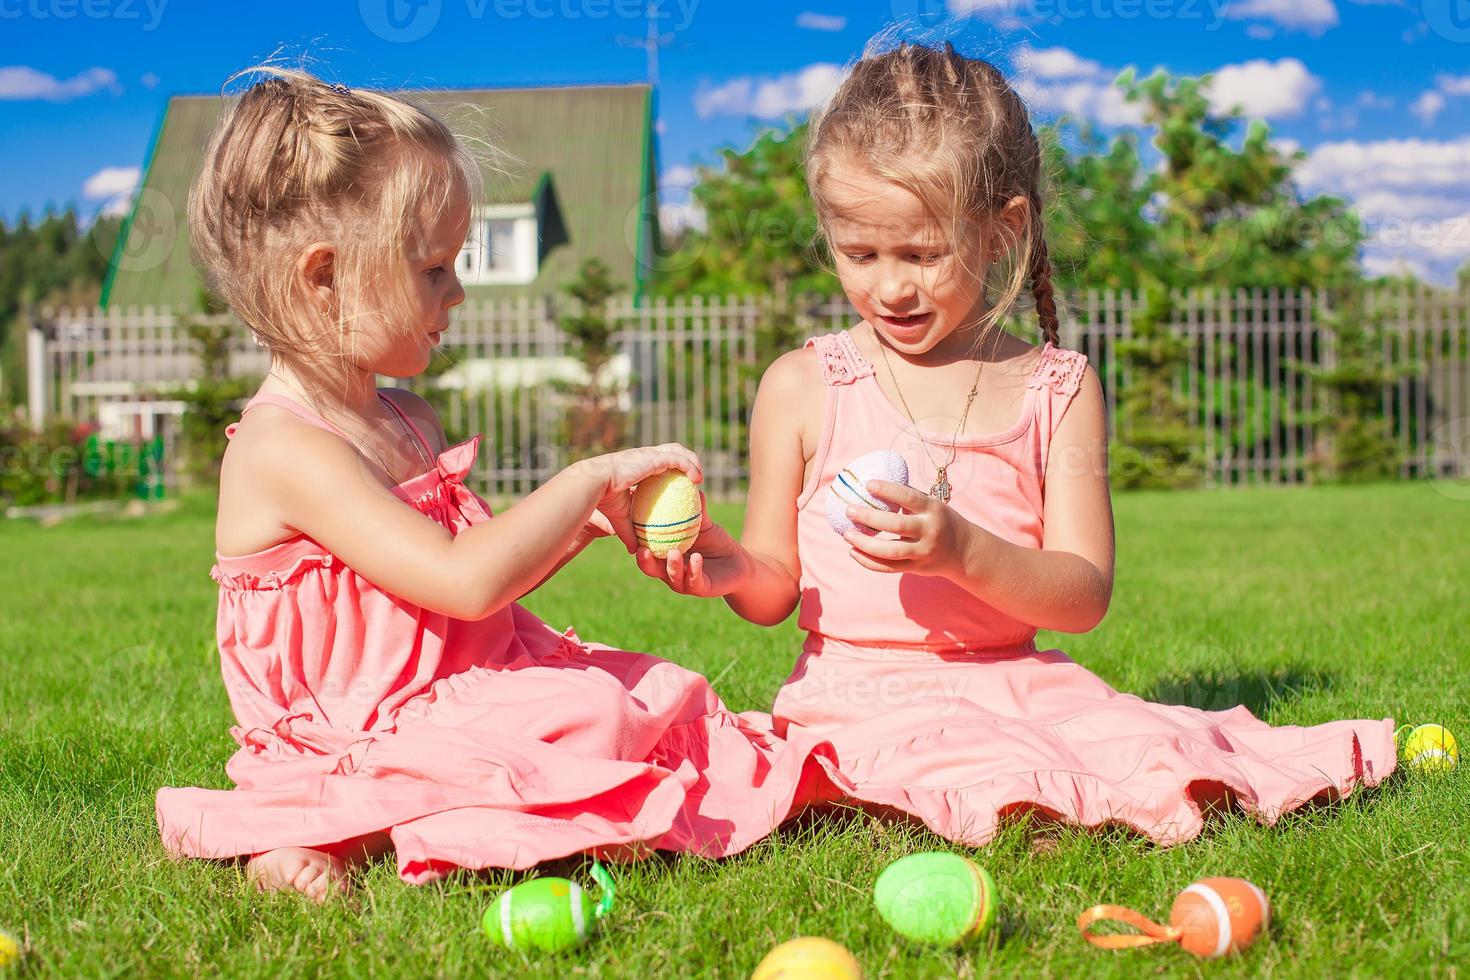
(315, 874)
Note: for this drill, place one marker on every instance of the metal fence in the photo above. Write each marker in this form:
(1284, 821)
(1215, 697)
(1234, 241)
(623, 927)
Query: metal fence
(685, 370)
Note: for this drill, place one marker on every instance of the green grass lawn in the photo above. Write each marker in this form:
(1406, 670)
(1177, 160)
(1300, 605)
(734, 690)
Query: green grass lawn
(1306, 605)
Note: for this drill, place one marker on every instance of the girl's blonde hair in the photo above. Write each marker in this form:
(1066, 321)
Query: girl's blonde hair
(294, 160)
(952, 131)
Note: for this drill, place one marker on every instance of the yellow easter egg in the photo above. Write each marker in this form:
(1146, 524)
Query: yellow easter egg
(666, 512)
(808, 958)
(1430, 748)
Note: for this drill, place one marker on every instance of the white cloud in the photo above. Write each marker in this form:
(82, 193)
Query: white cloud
(678, 176)
(21, 82)
(1059, 80)
(1427, 106)
(1452, 84)
(1369, 99)
(1413, 196)
(813, 21)
(1385, 204)
(110, 182)
(1056, 80)
(1095, 99)
(675, 218)
(1356, 166)
(1267, 89)
(1395, 265)
(1314, 16)
(771, 97)
(1054, 63)
(1260, 32)
(1002, 13)
(149, 80)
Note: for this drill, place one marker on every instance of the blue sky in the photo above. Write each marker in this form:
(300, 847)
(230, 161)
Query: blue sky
(1377, 93)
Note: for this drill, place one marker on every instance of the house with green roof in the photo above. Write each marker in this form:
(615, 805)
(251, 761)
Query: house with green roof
(583, 186)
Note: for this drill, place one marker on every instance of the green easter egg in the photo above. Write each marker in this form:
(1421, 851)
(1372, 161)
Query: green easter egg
(543, 913)
(936, 897)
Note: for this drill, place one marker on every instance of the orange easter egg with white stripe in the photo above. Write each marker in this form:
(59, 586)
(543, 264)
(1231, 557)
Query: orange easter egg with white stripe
(850, 487)
(666, 513)
(1217, 916)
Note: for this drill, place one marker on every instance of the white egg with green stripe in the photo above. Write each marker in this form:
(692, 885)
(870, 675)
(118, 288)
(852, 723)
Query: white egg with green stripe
(849, 487)
(546, 913)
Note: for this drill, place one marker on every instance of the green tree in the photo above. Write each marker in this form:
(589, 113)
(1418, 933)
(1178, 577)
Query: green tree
(1158, 446)
(760, 233)
(594, 421)
(53, 263)
(1232, 217)
(1355, 443)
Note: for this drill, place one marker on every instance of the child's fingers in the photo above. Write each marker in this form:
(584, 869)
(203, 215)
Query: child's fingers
(883, 520)
(699, 583)
(622, 526)
(650, 565)
(899, 495)
(599, 521)
(677, 571)
(674, 456)
(880, 548)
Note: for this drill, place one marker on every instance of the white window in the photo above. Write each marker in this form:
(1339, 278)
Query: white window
(501, 247)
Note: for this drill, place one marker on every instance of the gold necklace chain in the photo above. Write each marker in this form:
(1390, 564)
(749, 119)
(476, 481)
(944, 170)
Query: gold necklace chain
(941, 488)
(381, 465)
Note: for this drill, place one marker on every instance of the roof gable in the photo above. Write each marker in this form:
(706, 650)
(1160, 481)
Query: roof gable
(594, 143)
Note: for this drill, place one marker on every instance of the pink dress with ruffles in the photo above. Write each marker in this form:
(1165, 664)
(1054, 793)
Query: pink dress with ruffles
(942, 706)
(497, 742)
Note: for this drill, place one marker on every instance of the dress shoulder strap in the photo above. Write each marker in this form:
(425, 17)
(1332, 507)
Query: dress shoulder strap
(842, 363)
(1059, 369)
(291, 405)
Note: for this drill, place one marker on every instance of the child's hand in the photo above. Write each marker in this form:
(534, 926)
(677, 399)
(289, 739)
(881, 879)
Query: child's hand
(619, 472)
(932, 538)
(716, 564)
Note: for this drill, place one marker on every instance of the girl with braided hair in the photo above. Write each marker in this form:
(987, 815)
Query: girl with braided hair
(920, 664)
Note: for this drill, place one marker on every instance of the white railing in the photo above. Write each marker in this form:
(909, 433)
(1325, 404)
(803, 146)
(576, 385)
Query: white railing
(684, 370)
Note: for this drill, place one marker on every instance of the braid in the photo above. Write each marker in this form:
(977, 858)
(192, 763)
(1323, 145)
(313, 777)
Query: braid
(1040, 273)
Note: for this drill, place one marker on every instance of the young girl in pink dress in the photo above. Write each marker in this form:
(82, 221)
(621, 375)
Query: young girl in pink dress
(920, 663)
(389, 691)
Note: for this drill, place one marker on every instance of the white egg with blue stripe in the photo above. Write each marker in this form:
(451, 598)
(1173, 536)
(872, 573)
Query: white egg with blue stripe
(849, 487)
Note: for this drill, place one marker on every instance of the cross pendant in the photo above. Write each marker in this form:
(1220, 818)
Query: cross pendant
(941, 487)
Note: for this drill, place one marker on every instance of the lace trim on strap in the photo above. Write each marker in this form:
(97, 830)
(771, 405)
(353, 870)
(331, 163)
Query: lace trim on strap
(1059, 369)
(842, 364)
